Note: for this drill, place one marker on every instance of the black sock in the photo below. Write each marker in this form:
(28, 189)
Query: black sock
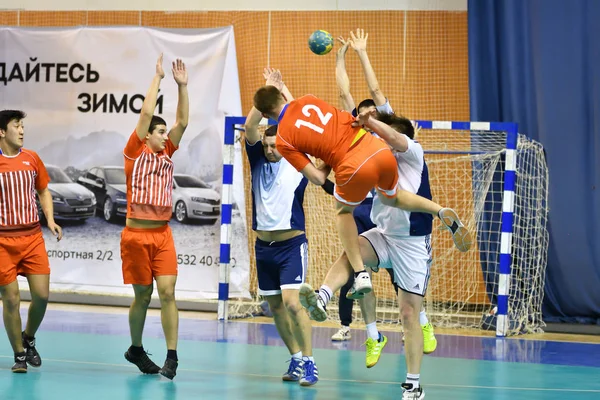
(172, 354)
(136, 351)
(27, 337)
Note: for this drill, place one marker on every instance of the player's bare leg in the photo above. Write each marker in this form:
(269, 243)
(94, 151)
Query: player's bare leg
(169, 316)
(11, 300)
(302, 332)
(39, 286)
(411, 202)
(410, 307)
(337, 276)
(283, 323)
(348, 233)
(137, 318)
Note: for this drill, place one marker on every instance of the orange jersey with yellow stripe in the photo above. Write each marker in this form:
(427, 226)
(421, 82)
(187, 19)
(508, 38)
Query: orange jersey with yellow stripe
(149, 179)
(309, 125)
(20, 177)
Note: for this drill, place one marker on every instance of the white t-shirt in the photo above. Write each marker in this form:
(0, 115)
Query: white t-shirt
(414, 178)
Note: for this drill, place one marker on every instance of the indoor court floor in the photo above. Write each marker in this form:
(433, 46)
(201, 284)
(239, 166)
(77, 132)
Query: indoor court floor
(82, 349)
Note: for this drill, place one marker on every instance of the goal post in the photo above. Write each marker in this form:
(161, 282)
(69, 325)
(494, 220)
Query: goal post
(497, 181)
(506, 225)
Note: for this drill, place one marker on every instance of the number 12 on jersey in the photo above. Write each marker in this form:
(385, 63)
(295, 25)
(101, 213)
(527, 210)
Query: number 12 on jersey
(324, 118)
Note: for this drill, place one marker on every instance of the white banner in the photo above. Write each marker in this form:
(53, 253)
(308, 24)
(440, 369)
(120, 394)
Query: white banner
(82, 89)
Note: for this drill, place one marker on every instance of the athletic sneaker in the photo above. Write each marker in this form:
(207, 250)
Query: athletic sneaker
(32, 356)
(20, 366)
(374, 349)
(342, 335)
(429, 340)
(169, 370)
(294, 371)
(361, 286)
(460, 234)
(408, 393)
(311, 300)
(310, 373)
(143, 362)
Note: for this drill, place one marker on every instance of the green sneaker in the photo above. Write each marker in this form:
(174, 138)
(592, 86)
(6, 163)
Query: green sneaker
(429, 340)
(374, 348)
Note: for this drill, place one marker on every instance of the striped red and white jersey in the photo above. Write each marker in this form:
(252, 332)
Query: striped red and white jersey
(20, 177)
(149, 180)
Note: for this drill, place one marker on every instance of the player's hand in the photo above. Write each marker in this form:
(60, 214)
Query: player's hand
(56, 230)
(159, 68)
(344, 46)
(359, 40)
(275, 79)
(417, 129)
(268, 71)
(363, 118)
(180, 72)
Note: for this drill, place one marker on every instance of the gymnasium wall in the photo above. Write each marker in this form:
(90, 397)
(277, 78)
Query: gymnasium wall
(420, 57)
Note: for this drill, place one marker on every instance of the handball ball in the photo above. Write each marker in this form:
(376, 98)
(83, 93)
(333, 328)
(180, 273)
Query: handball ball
(320, 42)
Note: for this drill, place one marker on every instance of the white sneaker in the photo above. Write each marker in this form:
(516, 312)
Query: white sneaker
(361, 286)
(412, 394)
(460, 235)
(313, 303)
(342, 335)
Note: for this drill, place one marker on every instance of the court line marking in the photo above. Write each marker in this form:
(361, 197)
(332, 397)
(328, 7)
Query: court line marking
(328, 379)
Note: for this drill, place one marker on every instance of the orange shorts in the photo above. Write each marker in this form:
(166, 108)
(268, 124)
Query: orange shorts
(22, 255)
(369, 164)
(147, 253)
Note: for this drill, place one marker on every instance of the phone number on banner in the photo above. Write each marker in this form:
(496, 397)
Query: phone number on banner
(191, 259)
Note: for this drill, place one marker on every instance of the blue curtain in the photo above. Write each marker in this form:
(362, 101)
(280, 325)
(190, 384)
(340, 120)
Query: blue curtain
(537, 63)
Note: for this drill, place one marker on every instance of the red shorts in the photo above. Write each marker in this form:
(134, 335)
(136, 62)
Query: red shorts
(369, 164)
(22, 255)
(147, 253)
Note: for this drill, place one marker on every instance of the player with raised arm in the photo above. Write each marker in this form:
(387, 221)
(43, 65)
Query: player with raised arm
(22, 247)
(381, 104)
(147, 246)
(360, 161)
(401, 241)
(281, 246)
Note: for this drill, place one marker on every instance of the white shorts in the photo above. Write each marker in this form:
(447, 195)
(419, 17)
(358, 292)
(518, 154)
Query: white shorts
(408, 256)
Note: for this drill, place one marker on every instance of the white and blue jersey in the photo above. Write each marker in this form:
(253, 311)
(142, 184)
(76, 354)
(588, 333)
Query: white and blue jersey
(277, 192)
(413, 177)
(277, 199)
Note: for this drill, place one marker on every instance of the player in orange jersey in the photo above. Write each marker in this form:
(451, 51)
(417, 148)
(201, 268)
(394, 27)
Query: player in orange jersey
(147, 246)
(22, 248)
(359, 160)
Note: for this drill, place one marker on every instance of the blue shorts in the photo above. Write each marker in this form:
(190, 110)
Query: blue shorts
(281, 265)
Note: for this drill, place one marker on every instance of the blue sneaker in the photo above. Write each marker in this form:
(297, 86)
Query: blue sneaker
(310, 373)
(294, 371)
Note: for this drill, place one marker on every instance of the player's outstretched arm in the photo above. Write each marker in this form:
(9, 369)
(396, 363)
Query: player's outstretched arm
(359, 44)
(398, 141)
(341, 76)
(251, 126)
(150, 101)
(183, 102)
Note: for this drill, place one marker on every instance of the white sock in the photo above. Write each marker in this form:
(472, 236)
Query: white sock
(345, 328)
(372, 331)
(310, 358)
(423, 318)
(325, 293)
(297, 356)
(413, 379)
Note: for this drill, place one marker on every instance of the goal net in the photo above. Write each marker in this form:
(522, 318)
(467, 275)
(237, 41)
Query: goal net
(467, 173)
